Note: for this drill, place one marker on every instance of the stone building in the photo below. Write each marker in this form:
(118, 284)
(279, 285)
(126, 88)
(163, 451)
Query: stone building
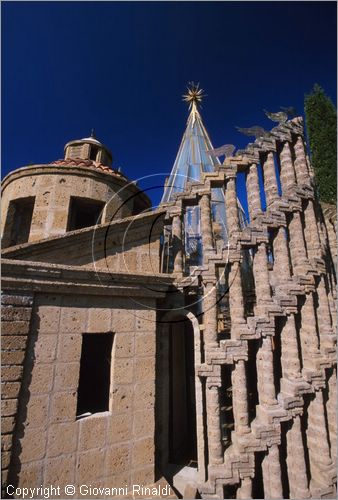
(189, 342)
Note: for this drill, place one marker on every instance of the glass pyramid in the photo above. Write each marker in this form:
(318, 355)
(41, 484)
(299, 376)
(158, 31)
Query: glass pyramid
(194, 158)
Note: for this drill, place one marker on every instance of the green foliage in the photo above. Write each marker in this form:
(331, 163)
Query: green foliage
(321, 121)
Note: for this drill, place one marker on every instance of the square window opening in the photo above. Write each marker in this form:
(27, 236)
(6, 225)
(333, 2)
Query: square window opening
(84, 212)
(93, 152)
(95, 374)
(18, 221)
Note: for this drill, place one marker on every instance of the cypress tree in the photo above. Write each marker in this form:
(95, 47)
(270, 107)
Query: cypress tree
(321, 120)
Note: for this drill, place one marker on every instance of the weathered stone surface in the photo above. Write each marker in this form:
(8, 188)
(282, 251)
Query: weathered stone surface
(262, 375)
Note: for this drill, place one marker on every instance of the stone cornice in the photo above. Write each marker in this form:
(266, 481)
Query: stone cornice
(91, 172)
(37, 277)
(137, 229)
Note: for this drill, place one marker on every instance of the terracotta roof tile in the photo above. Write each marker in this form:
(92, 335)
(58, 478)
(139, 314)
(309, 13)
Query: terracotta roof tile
(80, 162)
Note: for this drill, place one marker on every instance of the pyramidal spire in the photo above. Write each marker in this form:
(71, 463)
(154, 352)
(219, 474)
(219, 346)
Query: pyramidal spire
(192, 158)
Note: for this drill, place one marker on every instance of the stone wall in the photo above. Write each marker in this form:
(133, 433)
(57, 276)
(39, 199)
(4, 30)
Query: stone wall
(53, 186)
(112, 448)
(282, 355)
(16, 316)
(129, 245)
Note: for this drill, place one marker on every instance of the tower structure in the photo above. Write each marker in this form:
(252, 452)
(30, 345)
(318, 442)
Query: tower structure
(120, 367)
(195, 158)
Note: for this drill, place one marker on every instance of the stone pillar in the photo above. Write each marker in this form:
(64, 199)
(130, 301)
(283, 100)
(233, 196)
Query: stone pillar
(206, 226)
(332, 238)
(236, 301)
(270, 181)
(310, 167)
(317, 439)
(214, 424)
(272, 474)
(297, 245)
(301, 166)
(265, 375)
(296, 465)
(240, 398)
(261, 277)
(312, 238)
(177, 244)
(253, 192)
(331, 409)
(332, 304)
(308, 332)
(327, 337)
(231, 205)
(289, 346)
(323, 314)
(281, 265)
(244, 491)
(210, 314)
(287, 171)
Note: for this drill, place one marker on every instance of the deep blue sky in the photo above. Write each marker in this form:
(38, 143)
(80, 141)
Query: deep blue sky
(121, 68)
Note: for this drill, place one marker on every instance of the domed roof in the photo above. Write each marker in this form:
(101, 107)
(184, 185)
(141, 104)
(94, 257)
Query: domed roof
(88, 148)
(92, 140)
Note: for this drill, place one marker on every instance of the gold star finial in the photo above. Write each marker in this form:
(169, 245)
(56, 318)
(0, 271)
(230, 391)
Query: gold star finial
(194, 95)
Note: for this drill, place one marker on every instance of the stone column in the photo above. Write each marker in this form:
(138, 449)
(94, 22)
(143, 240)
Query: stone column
(272, 474)
(308, 332)
(270, 181)
(265, 375)
(289, 346)
(317, 439)
(297, 245)
(240, 398)
(301, 167)
(210, 314)
(177, 244)
(231, 205)
(244, 491)
(296, 465)
(327, 336)
(253, 192)
(214, 424)
(206, 226)
(312, 238)
(331, 409)
(261, 277)
(332, 304)
(236, 301)
(281, 265)
(310, 167)
(324, 316)
(332, 239)
(287, 170)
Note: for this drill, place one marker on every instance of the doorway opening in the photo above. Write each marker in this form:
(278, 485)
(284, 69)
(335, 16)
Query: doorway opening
(182, 395)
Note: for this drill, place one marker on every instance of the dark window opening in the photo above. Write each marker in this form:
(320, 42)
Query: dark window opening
(93, 152)
(277, 351)
(230, 490)
(251, 376)
(182, 400)
(227, 416)
(84, 212)
(261, 186)
(285, 427)
(257, 482)
(304, 428)
(277, 172)
(18, 222)
(94, 382)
